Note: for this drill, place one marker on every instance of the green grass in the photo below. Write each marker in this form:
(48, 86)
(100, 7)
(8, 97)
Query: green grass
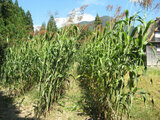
(148, 111)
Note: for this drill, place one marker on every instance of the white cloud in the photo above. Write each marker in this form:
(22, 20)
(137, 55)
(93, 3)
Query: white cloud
(75, 16)
(88, 17)
(75, 11)
(37, 27)
(94, 2)
(65, 21)
(140, 1)
(60, 22)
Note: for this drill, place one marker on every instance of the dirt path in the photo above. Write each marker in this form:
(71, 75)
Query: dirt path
(9, 110)
(67, 108)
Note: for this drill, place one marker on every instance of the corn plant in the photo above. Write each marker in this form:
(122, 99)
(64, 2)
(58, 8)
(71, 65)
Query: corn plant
(109, 63)
(40, 63)
(19, 69)
(55, 58)
(109, 66)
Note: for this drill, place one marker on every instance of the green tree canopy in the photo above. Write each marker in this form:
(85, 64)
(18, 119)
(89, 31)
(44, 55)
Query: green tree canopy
(14, 22)
(29, 21)
(43, 26)
(16, 3)
(51, 26)
(97, 21)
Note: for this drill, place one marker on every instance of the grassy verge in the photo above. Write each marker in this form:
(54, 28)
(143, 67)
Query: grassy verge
(148, 111)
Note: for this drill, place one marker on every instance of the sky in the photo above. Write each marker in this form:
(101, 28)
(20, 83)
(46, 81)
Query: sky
(42, 9)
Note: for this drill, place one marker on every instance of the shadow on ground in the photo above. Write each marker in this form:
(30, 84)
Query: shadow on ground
(8, 111)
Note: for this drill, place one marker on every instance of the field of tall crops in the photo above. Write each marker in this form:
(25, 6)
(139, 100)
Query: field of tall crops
(109, 62)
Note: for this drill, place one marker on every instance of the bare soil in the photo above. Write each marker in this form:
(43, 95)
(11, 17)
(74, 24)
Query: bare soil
(67, 108)
(9, 110)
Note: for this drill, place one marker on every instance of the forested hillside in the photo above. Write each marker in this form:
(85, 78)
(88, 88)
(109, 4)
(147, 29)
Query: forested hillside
(15, 24)
(14, 21)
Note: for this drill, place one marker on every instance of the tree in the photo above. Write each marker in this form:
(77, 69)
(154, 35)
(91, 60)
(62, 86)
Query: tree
(2, 31)
(51, 26)
(10, 1)
(29, 21)
(14, 22)
(6, 10)
(16, 3)
(97, 21)
(43, 27)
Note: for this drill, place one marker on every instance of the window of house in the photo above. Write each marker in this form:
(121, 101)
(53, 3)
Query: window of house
(158, 49)
(157, 34)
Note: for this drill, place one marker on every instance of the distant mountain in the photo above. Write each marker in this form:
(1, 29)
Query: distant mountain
(104, 19)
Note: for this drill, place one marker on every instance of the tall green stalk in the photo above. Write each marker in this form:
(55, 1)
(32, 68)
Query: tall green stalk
(109, 66)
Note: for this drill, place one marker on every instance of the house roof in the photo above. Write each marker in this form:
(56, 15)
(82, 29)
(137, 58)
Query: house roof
(153, 28)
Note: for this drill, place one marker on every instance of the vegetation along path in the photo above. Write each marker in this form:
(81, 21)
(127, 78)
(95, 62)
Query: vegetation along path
(15, 109)
(67, 108)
